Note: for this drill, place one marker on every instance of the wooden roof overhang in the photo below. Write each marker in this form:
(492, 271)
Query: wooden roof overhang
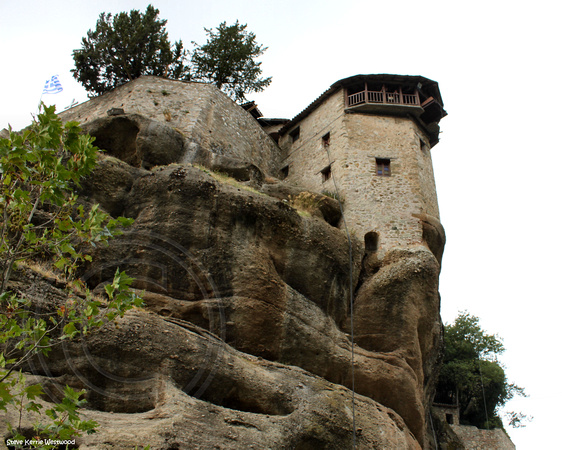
(429, 112)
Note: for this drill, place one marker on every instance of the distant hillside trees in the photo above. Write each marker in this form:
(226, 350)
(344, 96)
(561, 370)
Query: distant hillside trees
(472, 376)
(128, 45)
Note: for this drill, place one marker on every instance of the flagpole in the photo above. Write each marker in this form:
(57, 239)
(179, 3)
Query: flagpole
(39, 104)
(41, 97)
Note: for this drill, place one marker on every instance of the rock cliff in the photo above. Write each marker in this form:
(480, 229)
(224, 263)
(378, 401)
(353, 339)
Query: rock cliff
(245, 337)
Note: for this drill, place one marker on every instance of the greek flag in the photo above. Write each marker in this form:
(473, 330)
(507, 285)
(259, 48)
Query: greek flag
(52, 86)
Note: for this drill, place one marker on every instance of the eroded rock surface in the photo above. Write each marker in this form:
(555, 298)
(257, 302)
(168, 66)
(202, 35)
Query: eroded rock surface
(273, 283)
(168, 384)
(245, 338)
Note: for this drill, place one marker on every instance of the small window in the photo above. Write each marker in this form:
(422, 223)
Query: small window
(383, 167)
(423, 146)
(326, 140)
(326, 173)
(295, 134)
(371, 241)
(284, 172)
(449, 418)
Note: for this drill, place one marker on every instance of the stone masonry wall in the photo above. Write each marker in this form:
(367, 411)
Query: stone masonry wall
(476, 439)
(226, 129)
(427, 177)
(442, 411)
(307, 156)
(206, 117)
(382, 204)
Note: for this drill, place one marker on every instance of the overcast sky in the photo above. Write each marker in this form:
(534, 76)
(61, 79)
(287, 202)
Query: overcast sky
(497, 165)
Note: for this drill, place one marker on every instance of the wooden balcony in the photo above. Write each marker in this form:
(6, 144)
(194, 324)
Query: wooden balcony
(385, 101)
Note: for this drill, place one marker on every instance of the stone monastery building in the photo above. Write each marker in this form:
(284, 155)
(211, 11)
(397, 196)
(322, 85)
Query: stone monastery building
(366, 139)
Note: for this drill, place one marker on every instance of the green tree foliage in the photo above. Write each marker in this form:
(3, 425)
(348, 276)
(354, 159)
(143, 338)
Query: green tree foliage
(227, 60)
(472, 375)
(126, 46)
(41, 219)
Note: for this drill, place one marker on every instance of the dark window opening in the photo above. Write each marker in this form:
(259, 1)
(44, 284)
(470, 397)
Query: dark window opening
(284, 172)
(449, 418)
(423, 146)
(295, 134)
(383, 167)
(371, 241)
(326, 173)
(326, 140)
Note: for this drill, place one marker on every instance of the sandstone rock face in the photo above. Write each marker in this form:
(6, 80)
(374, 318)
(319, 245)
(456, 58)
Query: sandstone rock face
(168, 384)
(137, 140)
(245, 338)
(273, 283)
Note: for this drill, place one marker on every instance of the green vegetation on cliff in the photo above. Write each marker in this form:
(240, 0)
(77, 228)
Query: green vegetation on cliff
(41, 220)
(128, 45)
(472, 376)
(227, 60)
(125, 47)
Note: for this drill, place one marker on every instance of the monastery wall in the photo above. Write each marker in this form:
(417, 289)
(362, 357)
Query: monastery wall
(227, 130)
(383, 204)
(307, 156)
(209, 121)
(476, 439)
(386, 204)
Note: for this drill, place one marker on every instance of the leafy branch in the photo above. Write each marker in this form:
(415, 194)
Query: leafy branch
(40, 219)
(472, 376)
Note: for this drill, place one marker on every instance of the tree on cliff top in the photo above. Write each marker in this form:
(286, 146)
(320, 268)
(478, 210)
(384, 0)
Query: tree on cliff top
(126, 46)
(227, 60)
(472, 377)
(129, 45)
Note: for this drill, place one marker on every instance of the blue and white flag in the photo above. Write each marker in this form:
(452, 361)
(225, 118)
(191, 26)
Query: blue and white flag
(53, 85)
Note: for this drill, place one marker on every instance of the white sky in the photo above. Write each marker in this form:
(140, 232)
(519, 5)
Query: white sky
(497, 165)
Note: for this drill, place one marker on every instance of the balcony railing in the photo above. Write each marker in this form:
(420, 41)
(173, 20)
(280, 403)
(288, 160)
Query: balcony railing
(383, 97)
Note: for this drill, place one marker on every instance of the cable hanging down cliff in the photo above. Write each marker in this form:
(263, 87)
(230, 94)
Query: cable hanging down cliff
(350, 247)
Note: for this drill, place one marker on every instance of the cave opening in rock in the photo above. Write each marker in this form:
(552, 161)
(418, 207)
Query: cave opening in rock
(114, 397)
(118, 137)
(232, 397)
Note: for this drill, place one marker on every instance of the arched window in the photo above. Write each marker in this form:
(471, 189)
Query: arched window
(326, 173)
(371, 241)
